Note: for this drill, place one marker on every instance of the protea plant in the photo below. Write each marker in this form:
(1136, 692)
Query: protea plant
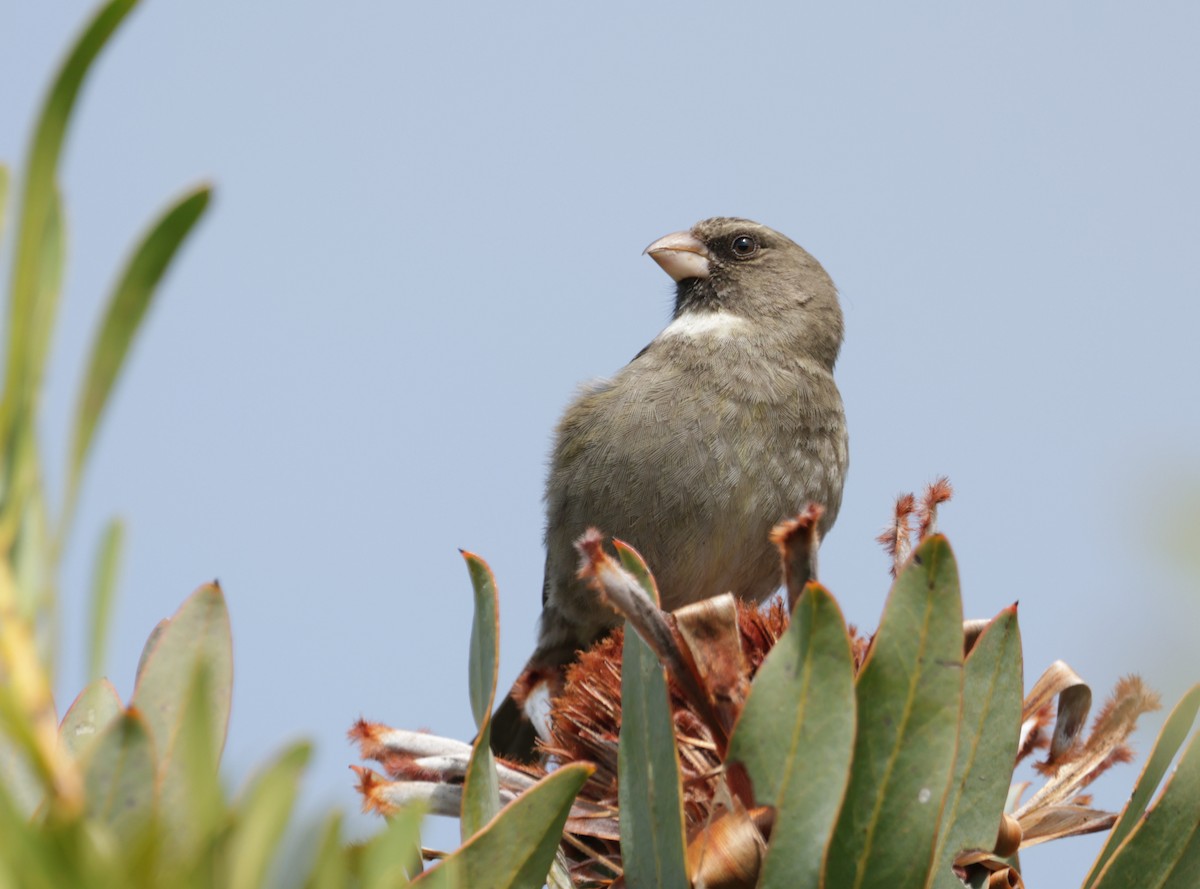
(730, 746)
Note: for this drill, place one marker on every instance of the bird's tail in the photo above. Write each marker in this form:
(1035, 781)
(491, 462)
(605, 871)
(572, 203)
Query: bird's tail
(524, 714)
(513, 734)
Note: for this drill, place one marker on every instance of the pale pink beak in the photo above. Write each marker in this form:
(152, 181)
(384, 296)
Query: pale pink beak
(681, 255)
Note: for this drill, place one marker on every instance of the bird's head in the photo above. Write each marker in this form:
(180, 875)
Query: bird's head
(753, 274)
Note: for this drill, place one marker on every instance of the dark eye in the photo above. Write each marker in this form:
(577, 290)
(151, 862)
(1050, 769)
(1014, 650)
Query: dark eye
(744, 246)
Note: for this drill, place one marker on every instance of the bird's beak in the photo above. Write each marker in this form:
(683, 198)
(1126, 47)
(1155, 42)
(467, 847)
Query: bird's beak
(681, 255)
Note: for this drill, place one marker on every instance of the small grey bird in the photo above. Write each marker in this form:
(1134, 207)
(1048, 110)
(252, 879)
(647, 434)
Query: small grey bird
(726, 423)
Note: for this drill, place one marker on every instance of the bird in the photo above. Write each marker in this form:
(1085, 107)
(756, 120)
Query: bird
(726, 423)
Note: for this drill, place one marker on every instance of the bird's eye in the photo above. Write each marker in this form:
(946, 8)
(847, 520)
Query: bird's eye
(744, 246)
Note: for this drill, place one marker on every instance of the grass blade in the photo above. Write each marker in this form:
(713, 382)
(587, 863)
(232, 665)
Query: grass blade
(104, 584)
(123, 316)
(23, 518)
(4, 177)
(37, 205)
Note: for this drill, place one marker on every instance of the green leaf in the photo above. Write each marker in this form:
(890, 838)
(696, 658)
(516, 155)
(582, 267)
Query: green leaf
(909, 695)
(28, 321)
(485, 654)
(1174, 732)
(653, 842)
(514, 851)
(393, 857)
(987, 745)
(123, 316)
(795, 737)
(104, 584)
(481, 786)
(19, 836)
(151, 643)
(20, 786)
(25, 511)
(632, 561)
(119, 776)
(261, 816)
(26, 710)
(24, 508)
(1162, 851)
(330, 867)
(198, 634)
(51, 261)
(3, 199)
(190, 793)
(92, 711)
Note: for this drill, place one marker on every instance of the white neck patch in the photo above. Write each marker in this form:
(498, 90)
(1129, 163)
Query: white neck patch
(704, 324)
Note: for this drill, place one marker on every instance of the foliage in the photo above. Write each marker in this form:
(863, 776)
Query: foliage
(844, 763)
(119, 794)
(814, 759)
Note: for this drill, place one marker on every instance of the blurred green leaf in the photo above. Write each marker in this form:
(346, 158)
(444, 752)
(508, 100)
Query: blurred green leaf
(987, 745)
(796, 736)
(261, 815)
(17, 835)
(45, 853)
(514, 851)
(27, 513)
(19, 726)
(481, 786)
(3, 199)
(119, 776)
(19, 783)
(26, 318)
(24, 509)
(653, 843)
(104, 584)
(123, 316)
(1162, 849)
(190, 793)
(330, 866)
(1174, 732)
(198, 634)
(92, 711)
(393, 856)
(909, 699)
(151, 642)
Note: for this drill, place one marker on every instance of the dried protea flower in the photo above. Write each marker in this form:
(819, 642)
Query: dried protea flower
(586, 719)
(897, 538)
(1060, 809)
(711, 652)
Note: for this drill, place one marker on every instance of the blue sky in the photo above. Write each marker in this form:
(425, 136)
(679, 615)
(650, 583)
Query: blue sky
(427, 231)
